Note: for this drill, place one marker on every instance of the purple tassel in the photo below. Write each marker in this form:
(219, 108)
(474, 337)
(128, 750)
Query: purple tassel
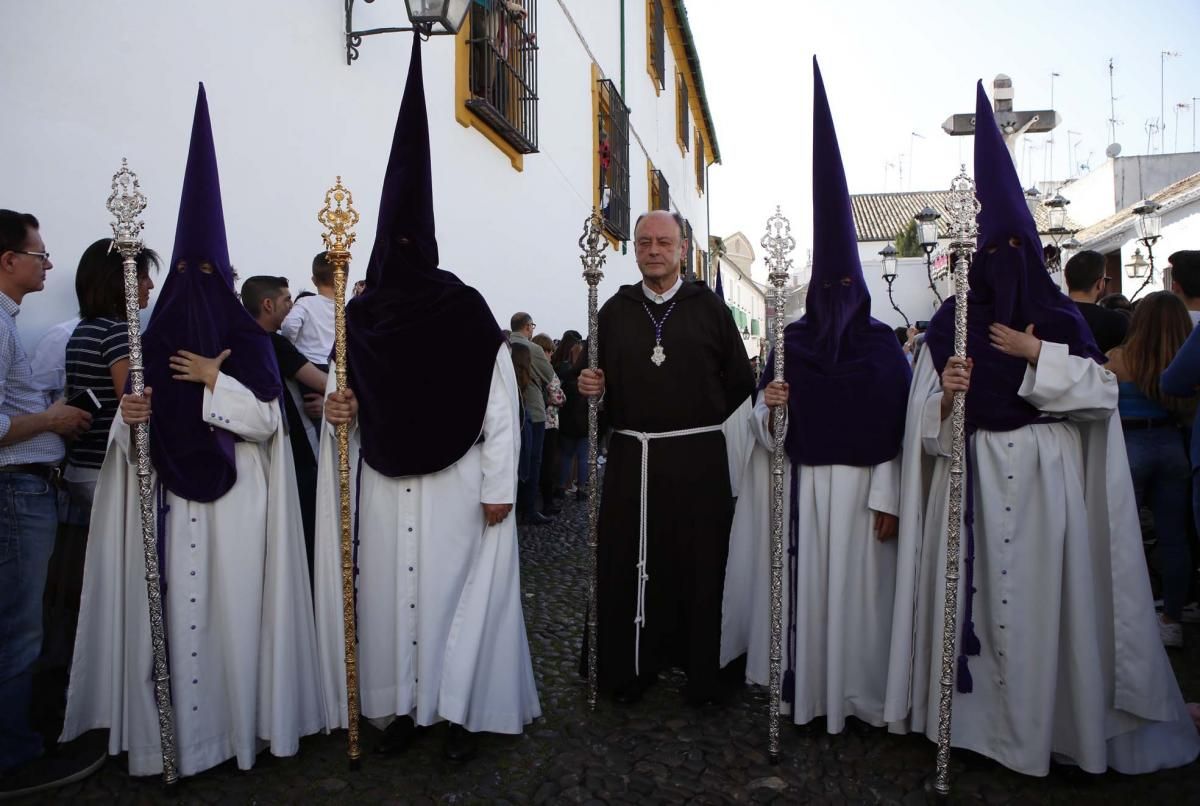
(970, 641)
(965, 684)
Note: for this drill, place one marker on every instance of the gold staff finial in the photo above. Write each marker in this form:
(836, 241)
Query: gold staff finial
(339, 218)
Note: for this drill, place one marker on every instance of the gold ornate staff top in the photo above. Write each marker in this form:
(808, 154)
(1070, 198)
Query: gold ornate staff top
(592, 245)
(126, 203)
(339, 217)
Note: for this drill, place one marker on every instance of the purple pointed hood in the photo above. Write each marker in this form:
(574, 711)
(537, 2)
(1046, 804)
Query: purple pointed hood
(416, 327)
(848, 375)
(1009, 284)
(197, 310)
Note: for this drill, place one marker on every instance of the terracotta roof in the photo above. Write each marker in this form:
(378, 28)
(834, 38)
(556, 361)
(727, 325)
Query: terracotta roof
(882, 216)
(1183, 192)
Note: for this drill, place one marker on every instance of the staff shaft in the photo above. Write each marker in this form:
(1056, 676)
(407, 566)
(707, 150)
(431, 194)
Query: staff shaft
(349, 625)
(141, 446)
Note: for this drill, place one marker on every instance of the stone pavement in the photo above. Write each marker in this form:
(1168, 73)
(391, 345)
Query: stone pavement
(659, 751)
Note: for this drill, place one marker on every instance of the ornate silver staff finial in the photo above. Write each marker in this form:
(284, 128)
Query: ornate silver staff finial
(592, 244)
(126, 203)
(779, 244)
(963, 212)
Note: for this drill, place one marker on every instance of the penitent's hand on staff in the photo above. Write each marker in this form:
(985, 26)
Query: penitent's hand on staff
(956, 377)
(776, 394)
(135, 409)
(341, 407)
(591, 382)
(495, 513)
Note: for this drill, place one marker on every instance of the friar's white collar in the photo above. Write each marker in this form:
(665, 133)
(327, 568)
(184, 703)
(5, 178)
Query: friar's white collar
(661, 298)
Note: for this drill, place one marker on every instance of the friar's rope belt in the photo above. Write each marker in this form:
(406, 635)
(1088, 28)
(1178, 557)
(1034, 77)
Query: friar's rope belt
(639, 620)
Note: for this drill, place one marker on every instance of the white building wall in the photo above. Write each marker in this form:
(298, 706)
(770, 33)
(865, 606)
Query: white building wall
(118, 79)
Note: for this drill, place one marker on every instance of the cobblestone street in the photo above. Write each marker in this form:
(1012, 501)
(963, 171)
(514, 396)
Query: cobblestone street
(659, 751)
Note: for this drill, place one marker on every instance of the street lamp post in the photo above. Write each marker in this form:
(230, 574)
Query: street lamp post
(1149, 225)
(426, 17)
(888, 257)
(927, 236)
(1057, 229)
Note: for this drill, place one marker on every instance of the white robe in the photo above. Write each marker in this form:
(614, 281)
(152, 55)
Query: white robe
(240, 633)
(845, 582)
(1071, 664)
(441, 632)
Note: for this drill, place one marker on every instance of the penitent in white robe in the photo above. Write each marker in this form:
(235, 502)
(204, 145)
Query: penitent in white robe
(240, 634)
(844, 583)
(441, 632)
(1072, 666)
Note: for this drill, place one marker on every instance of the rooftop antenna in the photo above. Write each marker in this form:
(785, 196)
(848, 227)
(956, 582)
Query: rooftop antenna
(1179, 107)
(1114, 148)
(1071, 150)
(1162, 95)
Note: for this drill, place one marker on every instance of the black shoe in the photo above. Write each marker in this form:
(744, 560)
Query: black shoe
(581, 495)
(552, 510)
(71, 762)
(397, 737)
(461, 745)
(536, 519)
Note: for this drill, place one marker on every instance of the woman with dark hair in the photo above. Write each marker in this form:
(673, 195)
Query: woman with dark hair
(1158, 459)
(554, 401)
(573, 419)
(98, 354)
(97, 360)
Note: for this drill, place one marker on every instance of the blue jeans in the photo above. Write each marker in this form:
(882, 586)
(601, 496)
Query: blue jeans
(528, 488)
(28, 523)
(1161, 473)
(573, 449)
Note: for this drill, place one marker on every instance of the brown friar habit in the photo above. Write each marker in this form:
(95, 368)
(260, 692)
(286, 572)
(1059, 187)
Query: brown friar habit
(705, 377)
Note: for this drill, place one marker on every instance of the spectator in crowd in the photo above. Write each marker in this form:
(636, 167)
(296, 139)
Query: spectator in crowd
(570, 357)
(1086, 282)
(534, 397)
(554, 401)
(1185, 279)
(1117, 302)
(309, 325)
(49, 359)
(523, 367)
(269, 300)
(32, 429)
(1158, 459)
(96, 360)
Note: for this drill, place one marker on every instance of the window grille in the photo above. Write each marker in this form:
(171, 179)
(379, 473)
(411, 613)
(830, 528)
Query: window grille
(503, 69)
(660, 191)
(658, 43)
(614, 160)
(681, 112)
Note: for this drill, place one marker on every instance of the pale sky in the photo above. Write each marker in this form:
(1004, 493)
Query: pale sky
(893, 68)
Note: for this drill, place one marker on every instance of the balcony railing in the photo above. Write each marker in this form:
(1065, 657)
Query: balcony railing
(503, 69)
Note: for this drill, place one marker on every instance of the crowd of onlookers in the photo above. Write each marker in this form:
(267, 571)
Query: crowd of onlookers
(554, 417)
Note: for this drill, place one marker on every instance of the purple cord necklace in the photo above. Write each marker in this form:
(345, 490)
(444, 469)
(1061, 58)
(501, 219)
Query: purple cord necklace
(658, 355)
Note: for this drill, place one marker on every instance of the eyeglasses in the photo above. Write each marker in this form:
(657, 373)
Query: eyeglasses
(42, 256)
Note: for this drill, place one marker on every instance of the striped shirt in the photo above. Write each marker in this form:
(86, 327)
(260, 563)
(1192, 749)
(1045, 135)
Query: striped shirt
(93, 348)
(20, 396)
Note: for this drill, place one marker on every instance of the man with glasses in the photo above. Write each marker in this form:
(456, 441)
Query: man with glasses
(32, 430)
(1086, 284)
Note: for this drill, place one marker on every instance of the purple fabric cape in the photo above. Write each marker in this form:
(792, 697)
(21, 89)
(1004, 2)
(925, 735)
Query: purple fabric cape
(396, 369)
(197, 310)
(1008, 284)
(848, 375)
